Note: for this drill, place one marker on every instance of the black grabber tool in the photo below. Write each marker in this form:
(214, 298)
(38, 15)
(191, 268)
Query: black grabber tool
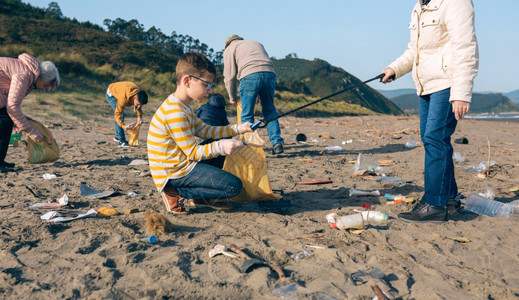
(263, 123)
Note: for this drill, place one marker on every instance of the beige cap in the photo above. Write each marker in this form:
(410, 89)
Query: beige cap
(232, 38)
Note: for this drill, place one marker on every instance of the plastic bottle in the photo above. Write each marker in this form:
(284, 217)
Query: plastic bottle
(355, 192)
(148, 238)
(515, 206)
(355, 221)
(483, 206)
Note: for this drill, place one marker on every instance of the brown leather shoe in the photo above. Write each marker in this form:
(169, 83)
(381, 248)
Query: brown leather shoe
(171, 200)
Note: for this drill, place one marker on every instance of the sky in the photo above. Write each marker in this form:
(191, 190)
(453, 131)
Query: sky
(362, 37)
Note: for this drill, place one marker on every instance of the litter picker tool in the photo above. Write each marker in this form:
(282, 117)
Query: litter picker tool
(263, 123)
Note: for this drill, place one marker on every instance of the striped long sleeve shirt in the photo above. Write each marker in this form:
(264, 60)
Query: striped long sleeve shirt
(172, 149)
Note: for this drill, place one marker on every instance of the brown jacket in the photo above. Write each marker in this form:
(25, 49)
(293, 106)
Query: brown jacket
(123, 91)
(17, 79)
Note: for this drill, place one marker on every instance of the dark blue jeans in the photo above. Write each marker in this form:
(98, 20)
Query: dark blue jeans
(437, 124)
(207, 182)
(119, 131)
(264, 85)
(6, 128)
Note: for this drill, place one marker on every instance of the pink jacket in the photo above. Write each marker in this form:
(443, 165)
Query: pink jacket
(17, 79)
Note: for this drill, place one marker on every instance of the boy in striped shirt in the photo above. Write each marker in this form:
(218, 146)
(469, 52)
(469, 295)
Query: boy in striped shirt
(175, 157)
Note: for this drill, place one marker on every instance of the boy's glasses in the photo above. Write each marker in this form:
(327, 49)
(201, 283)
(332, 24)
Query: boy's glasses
(209, 84)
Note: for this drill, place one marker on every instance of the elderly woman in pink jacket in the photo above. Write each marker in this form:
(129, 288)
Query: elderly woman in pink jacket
(443, 57)
(18, 77)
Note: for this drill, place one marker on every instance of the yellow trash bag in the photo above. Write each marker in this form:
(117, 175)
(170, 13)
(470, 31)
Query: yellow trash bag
(44, 151)
(249, 163)
(134, 135)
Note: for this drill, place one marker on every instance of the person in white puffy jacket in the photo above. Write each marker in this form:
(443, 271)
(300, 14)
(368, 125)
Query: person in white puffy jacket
(443, 57)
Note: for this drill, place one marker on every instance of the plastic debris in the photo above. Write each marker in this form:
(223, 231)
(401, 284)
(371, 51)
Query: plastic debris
(355, 192)
(132, 194)
(365, 162)
(85, 191)
(458, 157)
(105, 212)
(288, 292)
(54, 216)
(333, 148)
(48, 176)
(302, 254)
(411, 144)
(63, 201)
(221, 249)
(139, 162)
(481, 167)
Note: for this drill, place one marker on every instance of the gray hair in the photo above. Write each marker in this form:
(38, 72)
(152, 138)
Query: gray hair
(49, 73)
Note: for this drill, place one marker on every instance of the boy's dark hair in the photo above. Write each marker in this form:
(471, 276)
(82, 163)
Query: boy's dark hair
(142, 97)
(193, 64)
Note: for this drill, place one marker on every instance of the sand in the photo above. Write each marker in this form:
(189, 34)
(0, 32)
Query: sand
(101, 258)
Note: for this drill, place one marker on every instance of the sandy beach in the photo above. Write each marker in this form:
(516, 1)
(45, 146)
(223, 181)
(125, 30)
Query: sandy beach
(102, 258)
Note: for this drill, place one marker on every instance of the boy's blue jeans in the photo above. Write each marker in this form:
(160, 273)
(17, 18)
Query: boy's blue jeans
(207, 182)
(437, 124)
(119, 131)
(264, 85)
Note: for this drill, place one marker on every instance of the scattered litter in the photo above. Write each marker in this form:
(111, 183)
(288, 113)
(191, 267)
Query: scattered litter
(314, 182)
(132, 194)
(365, 162)
(302, 254)
(390, 180)
(54, 216)
(48, 176)
(411, 144)
(145, 173)
(489, 194)
(131, 211)
(148, 239)
(347, 142)
(63, 201)
(398, 199)
(301, 138)
(514, 189)
(139, 162)
(314, 246)
(355, 192)
(333, 148)
(458, 157)
(355, 221)
(462, 140)
(2, 206)
(481, 167)
(105, 212)
(334, 161)
(221, 249)
(85, 191)
(457, 239)
(288, 292)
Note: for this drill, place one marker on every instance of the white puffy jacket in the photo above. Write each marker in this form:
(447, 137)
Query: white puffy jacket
(443, 50)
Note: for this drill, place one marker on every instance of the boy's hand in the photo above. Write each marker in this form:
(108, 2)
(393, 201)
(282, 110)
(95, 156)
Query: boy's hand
(139, 121)
(228, 146)
(244, 127)
(233, 102)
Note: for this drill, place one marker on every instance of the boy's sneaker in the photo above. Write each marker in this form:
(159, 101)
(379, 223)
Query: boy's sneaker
(278, 149)
(116, 140)
(172, 201)
(123, 145)
(214, 204)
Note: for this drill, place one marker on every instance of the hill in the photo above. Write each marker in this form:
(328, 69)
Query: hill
(390, 94)
(89, 58)
(481, 103)
(513, 95)
(318, 78)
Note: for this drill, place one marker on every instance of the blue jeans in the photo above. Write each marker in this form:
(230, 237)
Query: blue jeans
(437, 124)
(207, 182)
(262, 84)
(119, 131)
